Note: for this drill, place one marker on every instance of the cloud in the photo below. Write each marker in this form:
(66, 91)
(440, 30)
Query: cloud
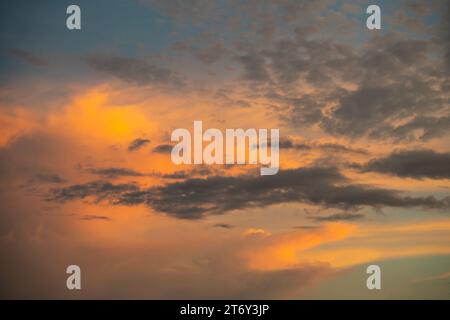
(98, 189)
(335, 147)
(254, 67)
(163, 148)
(223, 225)
(194, 198)
(138, 143)
(90, 217)
(419, 127)
(48, 178)
(112, 173)
(28, 57)
(417, 164)
(369, 109)
(391, 87)
(283, 250)
(256, 232)
(199, 171)
(287, 143)
(175, 175)
(197, 263)
(288, 282)
(293, 60)
(305, 227)
(344, 216)
(133, 70)
(225, 98)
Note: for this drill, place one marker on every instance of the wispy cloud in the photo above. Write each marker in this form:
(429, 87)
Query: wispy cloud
(28, 57)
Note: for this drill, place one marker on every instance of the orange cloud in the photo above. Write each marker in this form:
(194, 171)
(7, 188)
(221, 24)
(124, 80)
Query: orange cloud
(343, 245)
(285, 250)
(90, 116)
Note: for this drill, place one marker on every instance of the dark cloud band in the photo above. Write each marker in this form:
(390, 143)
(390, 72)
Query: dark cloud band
(195, 198)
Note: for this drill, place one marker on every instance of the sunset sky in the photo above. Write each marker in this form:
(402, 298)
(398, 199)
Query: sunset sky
(86, 176)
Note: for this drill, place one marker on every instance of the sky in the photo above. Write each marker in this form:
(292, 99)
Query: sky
(86, 176)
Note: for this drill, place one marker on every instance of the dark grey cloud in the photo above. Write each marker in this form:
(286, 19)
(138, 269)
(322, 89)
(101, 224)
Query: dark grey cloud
(114, 172)
(28, 57)
(133, 70)
(400, 83)
(223, 96)
(371, 109)
(396, 79)
(254, 67)
(175, 175)
(223, 225)
(287, 143)
(91, 217)
(335, 147)
(390, 86)
(199, 171)
(417, 164)
(138, 143)
(305, 227)
(100, 190)
(163, 148)
(343, 216)
(419, 127)
(194, 198)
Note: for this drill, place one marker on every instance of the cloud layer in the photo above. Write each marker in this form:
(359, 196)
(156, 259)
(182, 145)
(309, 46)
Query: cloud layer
(195, 198)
